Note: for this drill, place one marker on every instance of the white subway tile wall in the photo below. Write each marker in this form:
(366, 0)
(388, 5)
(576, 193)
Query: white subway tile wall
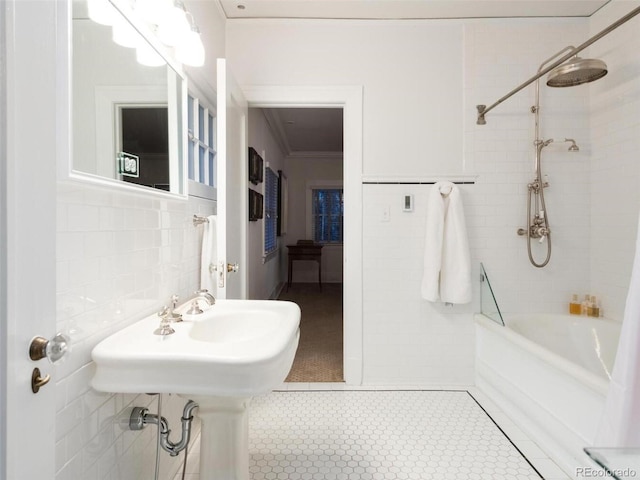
(120, 258)
(408, 340)
(615, 173)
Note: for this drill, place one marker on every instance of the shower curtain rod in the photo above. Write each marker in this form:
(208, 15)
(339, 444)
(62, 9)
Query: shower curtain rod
(483, 109)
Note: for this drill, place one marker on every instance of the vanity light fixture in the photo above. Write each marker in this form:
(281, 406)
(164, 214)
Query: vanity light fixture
(174, 27)
(102, 12)
(124, 34)
(169, 19)
(153, 11)
(146, 55)
(191, 50)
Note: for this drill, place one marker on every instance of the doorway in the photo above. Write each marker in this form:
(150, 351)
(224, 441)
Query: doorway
(350, 99)
(302, 146)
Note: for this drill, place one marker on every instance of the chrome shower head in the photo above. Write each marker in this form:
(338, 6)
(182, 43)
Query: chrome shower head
(577, 71)
(573, 147)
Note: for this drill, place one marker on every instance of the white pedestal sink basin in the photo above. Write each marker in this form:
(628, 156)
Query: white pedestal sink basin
(221, 358)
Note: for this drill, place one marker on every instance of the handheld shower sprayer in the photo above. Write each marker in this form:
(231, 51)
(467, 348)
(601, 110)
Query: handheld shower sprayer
(544, 143)
(538, 222)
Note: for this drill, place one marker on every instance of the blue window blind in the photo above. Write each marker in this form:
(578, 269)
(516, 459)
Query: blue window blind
(327, 215)
(270, 211)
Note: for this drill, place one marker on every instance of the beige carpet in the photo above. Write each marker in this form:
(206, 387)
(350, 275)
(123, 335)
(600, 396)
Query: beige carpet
(319, 355)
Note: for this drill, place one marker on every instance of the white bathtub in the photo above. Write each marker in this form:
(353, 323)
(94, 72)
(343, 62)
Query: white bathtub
(550, 373)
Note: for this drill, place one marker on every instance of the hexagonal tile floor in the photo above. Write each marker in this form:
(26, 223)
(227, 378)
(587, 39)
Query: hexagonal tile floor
(379, 435)
(358, 435)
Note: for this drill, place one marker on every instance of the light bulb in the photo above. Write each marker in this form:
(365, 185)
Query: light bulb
(153, 11)
(174, 26)
(124, 34)
(146, 55)
(191, 50)
(102, 12)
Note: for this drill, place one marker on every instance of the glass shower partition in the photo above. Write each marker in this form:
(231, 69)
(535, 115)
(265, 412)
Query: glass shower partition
(488, 303)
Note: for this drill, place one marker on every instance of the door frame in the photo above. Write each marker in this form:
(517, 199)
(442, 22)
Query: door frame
(350, 99)
(3, 239)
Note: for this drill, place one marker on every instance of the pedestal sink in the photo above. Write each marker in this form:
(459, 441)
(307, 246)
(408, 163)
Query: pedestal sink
(220, 359)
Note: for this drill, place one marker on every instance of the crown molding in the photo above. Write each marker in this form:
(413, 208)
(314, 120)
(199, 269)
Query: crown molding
(274, 122)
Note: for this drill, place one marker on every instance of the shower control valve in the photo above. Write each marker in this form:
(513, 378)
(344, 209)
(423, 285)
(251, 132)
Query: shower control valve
(540, 232)
(535, 231)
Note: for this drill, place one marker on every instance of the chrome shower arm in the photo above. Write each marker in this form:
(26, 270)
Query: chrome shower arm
(483, 109)
(565, 49)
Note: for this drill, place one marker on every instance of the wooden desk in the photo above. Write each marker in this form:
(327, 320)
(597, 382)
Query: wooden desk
(305, 251)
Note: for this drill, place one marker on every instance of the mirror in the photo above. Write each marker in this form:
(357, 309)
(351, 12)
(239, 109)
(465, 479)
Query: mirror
(127, 117)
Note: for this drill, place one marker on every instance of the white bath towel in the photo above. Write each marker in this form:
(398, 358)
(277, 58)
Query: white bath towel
(619, 425)
(447, 265)
(209, 256)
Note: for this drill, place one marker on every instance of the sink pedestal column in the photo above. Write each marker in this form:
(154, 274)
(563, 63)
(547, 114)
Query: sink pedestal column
(224, 440)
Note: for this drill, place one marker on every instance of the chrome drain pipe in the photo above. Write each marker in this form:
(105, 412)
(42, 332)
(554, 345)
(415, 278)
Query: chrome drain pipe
(140, 418)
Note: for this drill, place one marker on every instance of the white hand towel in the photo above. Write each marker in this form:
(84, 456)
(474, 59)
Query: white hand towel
(621, 417)
(209, 256)
(447, 264)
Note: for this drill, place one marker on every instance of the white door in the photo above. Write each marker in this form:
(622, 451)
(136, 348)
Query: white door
(232, 186)
(28, 147)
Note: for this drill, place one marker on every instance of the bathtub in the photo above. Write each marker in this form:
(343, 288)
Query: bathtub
(550, 374)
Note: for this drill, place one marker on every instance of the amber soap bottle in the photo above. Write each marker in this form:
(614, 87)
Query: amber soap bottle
(575, 307)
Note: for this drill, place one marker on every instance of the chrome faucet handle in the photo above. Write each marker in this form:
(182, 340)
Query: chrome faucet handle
(165, 326)
(164, 329)
(172, 316)
(174, 300)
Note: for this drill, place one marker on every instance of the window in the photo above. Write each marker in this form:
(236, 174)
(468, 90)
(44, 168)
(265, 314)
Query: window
(201, 148)
(270, 211)
(327, 211)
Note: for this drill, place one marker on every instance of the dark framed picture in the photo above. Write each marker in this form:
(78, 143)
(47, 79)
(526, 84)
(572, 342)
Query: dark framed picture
(256, 205)
(256, 167)
(283, 204)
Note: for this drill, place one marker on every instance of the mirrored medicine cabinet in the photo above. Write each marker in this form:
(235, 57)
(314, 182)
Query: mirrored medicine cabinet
(127, 117)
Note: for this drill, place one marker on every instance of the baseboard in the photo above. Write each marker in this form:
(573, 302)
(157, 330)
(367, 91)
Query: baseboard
(275, 294)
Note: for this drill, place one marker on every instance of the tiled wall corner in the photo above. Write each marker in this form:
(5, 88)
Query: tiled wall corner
(120, 257)
(615, 173)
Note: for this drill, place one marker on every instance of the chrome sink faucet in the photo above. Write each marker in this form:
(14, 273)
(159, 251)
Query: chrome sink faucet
(203, 294)
(206, 296)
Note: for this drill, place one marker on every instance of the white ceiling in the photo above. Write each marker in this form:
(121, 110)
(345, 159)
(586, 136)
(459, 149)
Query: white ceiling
(313, 131)
(307, 131)
(408, 9)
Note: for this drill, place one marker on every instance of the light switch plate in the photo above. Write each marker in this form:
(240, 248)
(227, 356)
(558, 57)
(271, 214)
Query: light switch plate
(407, 204)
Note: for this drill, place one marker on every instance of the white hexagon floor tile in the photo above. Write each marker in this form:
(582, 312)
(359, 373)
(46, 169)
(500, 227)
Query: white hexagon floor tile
(379, 435)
